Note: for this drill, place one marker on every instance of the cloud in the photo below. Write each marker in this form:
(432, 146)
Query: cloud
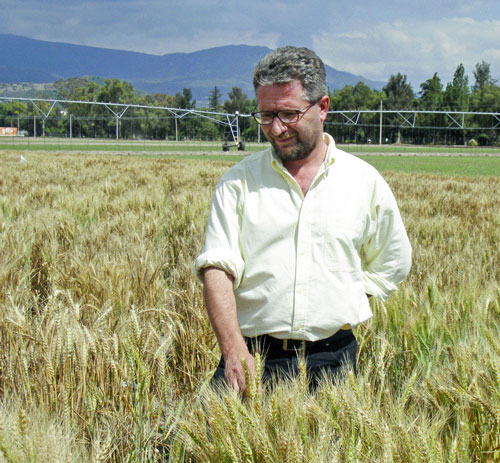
(372, 39)
(415, 48)
(158, 27)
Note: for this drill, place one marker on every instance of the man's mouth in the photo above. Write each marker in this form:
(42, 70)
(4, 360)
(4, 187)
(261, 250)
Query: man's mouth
(285, 140)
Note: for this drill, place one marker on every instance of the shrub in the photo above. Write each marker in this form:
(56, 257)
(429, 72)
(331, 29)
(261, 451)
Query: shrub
(483, 139)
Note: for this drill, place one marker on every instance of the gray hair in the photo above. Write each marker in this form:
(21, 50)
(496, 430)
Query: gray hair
(286, 64)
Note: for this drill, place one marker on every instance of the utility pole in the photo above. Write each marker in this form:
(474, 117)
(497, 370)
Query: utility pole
(236, 114)
(380, 124)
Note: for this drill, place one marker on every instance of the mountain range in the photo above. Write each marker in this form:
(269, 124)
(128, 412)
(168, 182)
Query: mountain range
(27, 60)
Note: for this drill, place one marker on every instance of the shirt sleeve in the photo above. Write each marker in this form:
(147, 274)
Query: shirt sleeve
(386, 255)
(222, 235)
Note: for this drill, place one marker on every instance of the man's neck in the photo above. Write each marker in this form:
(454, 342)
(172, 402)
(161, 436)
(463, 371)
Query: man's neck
(304, 170)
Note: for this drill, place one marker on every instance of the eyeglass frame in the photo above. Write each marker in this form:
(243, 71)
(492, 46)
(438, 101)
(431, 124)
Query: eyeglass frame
(299, 113)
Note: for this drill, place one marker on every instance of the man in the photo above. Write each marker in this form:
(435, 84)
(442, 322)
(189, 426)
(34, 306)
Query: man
(299, 235)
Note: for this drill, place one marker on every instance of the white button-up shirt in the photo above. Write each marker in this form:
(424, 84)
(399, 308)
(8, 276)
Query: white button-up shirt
(303, 265)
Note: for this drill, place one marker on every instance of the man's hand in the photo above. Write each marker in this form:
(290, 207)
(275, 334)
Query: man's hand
(235, 370)
(222, 312)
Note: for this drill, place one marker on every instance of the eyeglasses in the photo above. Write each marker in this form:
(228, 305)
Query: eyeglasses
(287, 116)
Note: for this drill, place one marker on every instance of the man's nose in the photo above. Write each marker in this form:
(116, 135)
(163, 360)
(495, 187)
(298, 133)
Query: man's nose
(278, 127)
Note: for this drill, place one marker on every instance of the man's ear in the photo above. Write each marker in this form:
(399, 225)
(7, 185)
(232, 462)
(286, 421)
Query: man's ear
(324, 105)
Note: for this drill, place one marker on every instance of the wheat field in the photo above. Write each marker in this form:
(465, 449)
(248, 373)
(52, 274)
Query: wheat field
(106, 350)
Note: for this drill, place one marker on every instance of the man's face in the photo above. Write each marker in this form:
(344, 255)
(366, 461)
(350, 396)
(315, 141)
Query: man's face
(292, 141)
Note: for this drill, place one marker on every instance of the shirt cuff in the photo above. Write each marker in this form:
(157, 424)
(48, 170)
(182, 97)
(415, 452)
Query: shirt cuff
(377, 286)
(227, 261)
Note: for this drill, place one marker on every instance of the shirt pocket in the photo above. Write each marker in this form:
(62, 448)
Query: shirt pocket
(339, 251)
(342, 241)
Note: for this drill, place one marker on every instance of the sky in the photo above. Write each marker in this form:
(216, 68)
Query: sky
(374, 39)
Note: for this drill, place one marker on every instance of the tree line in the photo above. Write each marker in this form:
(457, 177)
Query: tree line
(97, 121)
(483, 96)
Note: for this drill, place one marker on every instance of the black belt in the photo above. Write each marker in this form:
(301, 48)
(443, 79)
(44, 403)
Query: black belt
(272, 347)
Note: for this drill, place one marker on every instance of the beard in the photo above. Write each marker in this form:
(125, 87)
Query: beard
(306, 143)
(300, 151)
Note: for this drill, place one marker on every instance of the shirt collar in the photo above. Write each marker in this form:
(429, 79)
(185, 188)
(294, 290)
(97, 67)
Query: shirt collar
(329, 158)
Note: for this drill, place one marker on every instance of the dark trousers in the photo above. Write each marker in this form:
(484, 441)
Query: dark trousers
(281, 358)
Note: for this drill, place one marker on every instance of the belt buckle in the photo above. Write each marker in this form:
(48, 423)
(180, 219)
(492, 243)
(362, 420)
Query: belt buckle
(286, 348)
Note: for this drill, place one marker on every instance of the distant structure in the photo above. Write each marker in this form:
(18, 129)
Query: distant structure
(8, 131)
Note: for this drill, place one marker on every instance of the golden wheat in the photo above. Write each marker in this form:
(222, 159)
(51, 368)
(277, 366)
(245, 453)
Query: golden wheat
(104, 335)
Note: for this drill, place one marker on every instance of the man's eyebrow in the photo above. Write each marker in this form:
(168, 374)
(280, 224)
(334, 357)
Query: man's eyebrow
(278, 111)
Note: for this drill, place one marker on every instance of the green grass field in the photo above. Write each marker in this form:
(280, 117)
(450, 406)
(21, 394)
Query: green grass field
(441, 165)
(440, 161)
(162, 146)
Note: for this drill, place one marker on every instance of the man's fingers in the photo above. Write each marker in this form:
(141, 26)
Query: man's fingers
(234, 384)
(236, 372)
(236, 381)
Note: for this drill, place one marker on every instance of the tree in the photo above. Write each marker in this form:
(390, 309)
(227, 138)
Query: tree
(10, 112)
(399, 94)
(238, 101)
(214, 100)
(359, 96)
(431, 93)
(456, 95)
(486, 99)
(12, 108)
(184, 100)
(87, 93)
(66, 88)
(431, 99)
(486, 94)
(482, 74)
(157, 123)
(116, 91)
